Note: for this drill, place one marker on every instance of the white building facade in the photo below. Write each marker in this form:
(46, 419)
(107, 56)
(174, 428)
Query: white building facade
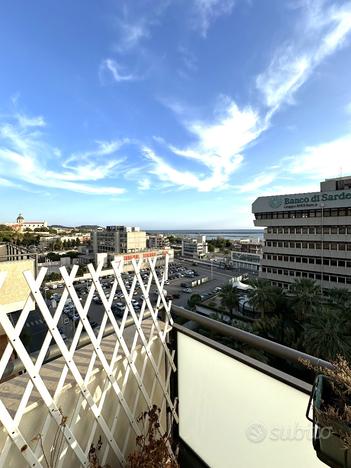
(194, 247)
(21, 224)
(307, 235)
(119, 239)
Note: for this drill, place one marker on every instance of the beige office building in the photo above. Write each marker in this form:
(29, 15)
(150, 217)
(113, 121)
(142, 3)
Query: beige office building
(119, 239)
(307, 235)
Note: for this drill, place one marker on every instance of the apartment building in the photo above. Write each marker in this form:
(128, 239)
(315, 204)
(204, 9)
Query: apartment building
(194, 247)
(157, 241)
(118, 239)
(307, 235)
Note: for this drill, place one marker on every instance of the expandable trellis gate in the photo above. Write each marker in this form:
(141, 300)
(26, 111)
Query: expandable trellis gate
(129, 376)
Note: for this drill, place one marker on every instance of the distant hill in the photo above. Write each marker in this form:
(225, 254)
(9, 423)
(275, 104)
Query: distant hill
(83, 226)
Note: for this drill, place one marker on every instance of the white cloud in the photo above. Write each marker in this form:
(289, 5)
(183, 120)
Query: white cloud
(217, 148)
(144, 184)
(112, 68)
(25, 156)
(259, 181)
(25, 121)
(131, 34)
(321, 31)
(208, 11)
(326, 160)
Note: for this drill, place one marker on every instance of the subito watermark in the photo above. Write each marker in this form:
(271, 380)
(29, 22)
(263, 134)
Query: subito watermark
(258, 433)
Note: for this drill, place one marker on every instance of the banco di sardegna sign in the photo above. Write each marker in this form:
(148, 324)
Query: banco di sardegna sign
(307, 201)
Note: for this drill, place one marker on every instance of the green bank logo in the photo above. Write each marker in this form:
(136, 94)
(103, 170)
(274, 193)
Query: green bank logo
(275, 202)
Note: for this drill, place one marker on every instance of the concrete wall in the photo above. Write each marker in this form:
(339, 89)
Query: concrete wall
(15, 290)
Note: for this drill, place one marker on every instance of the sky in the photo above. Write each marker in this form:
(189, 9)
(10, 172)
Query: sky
(169, 113)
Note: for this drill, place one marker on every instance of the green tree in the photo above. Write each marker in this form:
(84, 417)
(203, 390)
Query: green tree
(230, 298)
(261, 297)
(325, 335)
(306, 298)
(193, 300)
(53, 257)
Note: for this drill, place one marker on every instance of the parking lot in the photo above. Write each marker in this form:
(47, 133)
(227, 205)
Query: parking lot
(179, 272)
(217, 277)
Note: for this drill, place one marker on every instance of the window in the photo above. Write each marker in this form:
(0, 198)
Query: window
(311, 275)
(298, 245)
(333, 263)
(326, 261)
(298, 274)
(304, 260)
(341, 279)
(311, 261)
(298, 259)
(334, 212)
(311, 230)
(341, 263)
(304, 231)
(342, 230)
(341, 246)
(318, 230)
(318, 276)
(334, 230)
(291, 272)
(318, 261)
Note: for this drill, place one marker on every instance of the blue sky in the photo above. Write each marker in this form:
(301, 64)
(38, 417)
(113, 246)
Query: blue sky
(169, 114)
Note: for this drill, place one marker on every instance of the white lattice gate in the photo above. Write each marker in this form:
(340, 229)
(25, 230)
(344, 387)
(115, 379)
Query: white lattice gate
(53, 412)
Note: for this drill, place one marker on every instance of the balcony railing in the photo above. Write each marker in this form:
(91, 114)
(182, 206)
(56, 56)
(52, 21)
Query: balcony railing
(222, 407)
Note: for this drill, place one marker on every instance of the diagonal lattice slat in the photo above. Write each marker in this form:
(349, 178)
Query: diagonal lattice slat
(124, 373)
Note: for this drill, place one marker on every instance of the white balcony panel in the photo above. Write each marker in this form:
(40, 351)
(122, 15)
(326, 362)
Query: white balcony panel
(225, 403)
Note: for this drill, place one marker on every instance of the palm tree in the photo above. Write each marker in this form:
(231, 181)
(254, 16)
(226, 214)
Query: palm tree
(260, 296)
(306, 298)
(230, 298)
(326, 336)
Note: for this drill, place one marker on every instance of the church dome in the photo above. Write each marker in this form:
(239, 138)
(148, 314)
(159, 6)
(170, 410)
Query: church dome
(20, 219)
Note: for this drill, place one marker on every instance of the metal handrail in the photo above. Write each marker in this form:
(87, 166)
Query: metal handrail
(255, 341)
(16, 366)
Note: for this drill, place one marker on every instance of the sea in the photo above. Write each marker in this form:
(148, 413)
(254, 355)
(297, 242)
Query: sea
(231, 234)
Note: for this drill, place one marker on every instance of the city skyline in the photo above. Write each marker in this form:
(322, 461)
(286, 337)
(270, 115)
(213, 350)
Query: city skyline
(170, 115)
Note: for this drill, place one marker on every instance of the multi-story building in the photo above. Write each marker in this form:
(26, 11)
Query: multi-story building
(194, 247)
(307, 235)
(157, 241)
(21, 225)
(119, 239)
(246, 261)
